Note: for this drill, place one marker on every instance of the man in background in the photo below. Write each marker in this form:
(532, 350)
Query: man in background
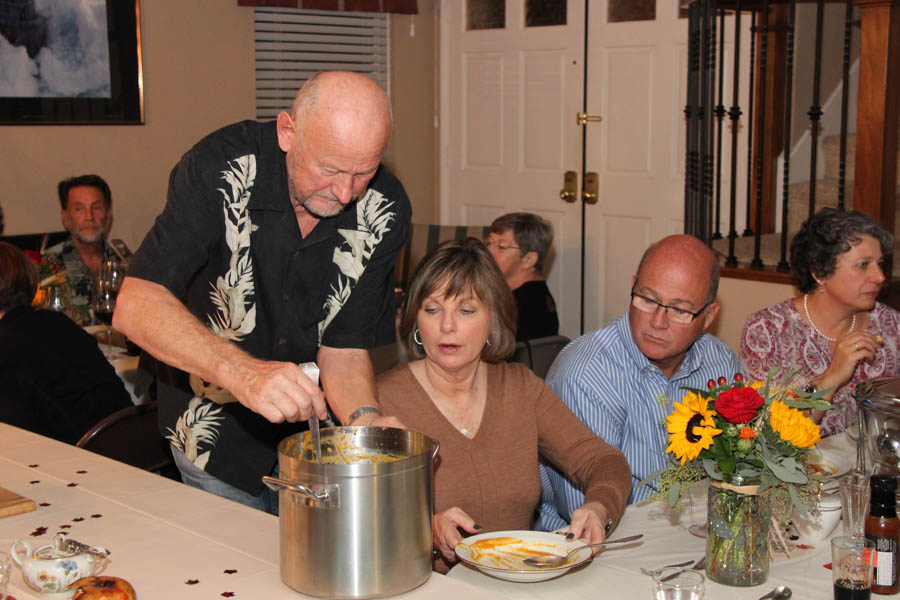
(519, 242)
(619, 380)
(86, 214)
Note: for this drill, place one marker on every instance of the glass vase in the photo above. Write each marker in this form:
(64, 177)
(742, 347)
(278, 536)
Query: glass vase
(737, 535)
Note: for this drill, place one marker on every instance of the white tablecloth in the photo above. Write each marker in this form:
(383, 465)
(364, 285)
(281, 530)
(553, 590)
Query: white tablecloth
(616, 572)
(162, 534)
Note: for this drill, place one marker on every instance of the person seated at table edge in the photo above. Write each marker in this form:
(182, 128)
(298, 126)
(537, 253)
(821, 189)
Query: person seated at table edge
(614, 378)
(54, 379)
(519, 242)
(492, 418)
(834, 332)
(86, 203)
(276, 247)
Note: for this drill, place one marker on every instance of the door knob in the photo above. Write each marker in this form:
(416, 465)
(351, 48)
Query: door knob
(591, 188)
(570, 186)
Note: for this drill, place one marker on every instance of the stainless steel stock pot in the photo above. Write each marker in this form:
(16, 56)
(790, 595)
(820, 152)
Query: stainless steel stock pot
(357, 530)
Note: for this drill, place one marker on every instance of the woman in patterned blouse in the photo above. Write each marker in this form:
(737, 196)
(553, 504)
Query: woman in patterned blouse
(834, 332)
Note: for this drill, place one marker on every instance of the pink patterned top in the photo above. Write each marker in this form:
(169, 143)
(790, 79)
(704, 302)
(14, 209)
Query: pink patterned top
(780, 336)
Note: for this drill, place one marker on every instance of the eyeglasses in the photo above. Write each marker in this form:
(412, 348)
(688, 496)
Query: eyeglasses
(673, 313)
(499, 243)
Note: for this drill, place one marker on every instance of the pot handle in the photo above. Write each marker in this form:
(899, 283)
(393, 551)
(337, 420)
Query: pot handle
(327, 498)
(437, 446)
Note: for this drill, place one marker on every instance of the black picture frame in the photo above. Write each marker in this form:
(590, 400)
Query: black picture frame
(125, 106)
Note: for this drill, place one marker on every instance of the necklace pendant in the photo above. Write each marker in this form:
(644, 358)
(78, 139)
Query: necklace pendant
(464, 431)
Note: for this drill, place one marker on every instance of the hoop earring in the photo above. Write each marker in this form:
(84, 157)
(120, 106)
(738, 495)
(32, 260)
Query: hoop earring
(487, 342)
(416, 337)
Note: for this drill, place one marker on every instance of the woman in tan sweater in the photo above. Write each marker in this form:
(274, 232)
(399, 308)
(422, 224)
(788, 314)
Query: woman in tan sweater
(493, 419)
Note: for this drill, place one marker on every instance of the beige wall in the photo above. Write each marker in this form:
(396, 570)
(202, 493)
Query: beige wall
(414, 92)
(739, 299)
(199, 76)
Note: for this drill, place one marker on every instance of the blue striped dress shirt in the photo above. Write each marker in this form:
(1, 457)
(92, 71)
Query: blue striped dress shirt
(611, 386)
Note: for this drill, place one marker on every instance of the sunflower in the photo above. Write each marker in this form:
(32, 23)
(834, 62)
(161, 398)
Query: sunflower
(793, 426)
(691, 426)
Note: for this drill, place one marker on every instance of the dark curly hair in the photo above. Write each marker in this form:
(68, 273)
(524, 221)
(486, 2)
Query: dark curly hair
(825, 236)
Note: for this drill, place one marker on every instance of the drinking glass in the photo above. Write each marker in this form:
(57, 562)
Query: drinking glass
(673, 583)
(113, 271)
(854, 502)
(58, 298)
(104, 303)
(852, 562)
(5, 574)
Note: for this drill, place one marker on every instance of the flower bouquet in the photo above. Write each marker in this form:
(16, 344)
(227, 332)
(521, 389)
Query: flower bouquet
(751, 440)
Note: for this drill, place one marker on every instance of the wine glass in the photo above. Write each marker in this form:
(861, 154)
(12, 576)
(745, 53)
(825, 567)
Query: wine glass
(57, 297)
(112, 270)
(104, 303)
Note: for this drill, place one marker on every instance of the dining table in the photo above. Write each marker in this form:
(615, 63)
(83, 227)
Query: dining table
(167, 539)
(615, 572)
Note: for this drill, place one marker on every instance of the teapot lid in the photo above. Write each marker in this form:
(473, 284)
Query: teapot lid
(884, 391)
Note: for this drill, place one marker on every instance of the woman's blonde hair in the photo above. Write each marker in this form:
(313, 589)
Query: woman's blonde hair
(455, 267)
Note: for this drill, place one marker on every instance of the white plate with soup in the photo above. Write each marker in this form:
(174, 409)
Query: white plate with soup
(502, 554)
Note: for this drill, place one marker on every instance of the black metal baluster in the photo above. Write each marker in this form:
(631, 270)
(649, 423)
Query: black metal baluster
(709, 142)
(703, 120)
(757, 262)
(747, 230)
(783, 264)
(690, 114)
(815, 111)
(842, 164)
(720, 117)
(734, 114)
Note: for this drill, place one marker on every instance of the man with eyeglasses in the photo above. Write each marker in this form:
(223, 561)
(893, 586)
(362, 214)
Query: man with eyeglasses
(619, 380)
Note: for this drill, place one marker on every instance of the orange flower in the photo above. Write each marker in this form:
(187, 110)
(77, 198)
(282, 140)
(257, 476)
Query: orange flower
(747, 433)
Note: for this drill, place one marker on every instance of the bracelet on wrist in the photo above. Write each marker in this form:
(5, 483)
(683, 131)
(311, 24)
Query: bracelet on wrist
(362, 410)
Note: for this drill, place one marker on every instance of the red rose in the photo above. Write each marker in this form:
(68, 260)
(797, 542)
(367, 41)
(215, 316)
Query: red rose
(738, 405)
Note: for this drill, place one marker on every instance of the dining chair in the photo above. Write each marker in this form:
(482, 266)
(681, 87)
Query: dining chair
(130, 435)
(538, 354)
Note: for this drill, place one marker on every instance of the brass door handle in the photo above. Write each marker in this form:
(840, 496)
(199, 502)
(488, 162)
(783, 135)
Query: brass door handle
(591, 188)
(584, 118)
(570, 186)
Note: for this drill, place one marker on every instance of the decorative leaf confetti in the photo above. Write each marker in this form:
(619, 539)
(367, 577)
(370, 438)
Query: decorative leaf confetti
(78, 519)
(73, 484)
(96, 516)
(81, 472)
(228, 594)
(192, 582)
(35, 481)
(65, 527)
(44, 504)
(38, 532)
(34, 466)
(230, 571)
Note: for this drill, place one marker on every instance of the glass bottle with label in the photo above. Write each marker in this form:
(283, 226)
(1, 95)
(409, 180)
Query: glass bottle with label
(883, 528)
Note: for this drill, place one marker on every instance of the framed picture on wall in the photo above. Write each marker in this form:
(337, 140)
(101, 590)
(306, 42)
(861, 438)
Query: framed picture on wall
(72, 62)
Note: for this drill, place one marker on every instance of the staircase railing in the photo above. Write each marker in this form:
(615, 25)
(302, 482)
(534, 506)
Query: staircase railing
(769, 72)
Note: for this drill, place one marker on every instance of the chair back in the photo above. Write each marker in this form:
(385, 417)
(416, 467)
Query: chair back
(538, 354)
(130, 435)
(33, 241)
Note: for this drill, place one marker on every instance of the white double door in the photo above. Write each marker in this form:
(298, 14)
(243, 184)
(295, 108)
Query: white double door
(509, 133)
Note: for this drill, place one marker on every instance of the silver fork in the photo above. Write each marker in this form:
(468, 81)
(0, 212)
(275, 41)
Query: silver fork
(652, 572)
(697, 566)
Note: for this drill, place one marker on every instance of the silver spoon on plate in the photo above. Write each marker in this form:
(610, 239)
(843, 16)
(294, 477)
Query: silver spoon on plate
(553, 560)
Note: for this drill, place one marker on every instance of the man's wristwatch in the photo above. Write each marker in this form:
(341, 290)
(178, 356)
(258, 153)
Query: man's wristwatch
(811, 388)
